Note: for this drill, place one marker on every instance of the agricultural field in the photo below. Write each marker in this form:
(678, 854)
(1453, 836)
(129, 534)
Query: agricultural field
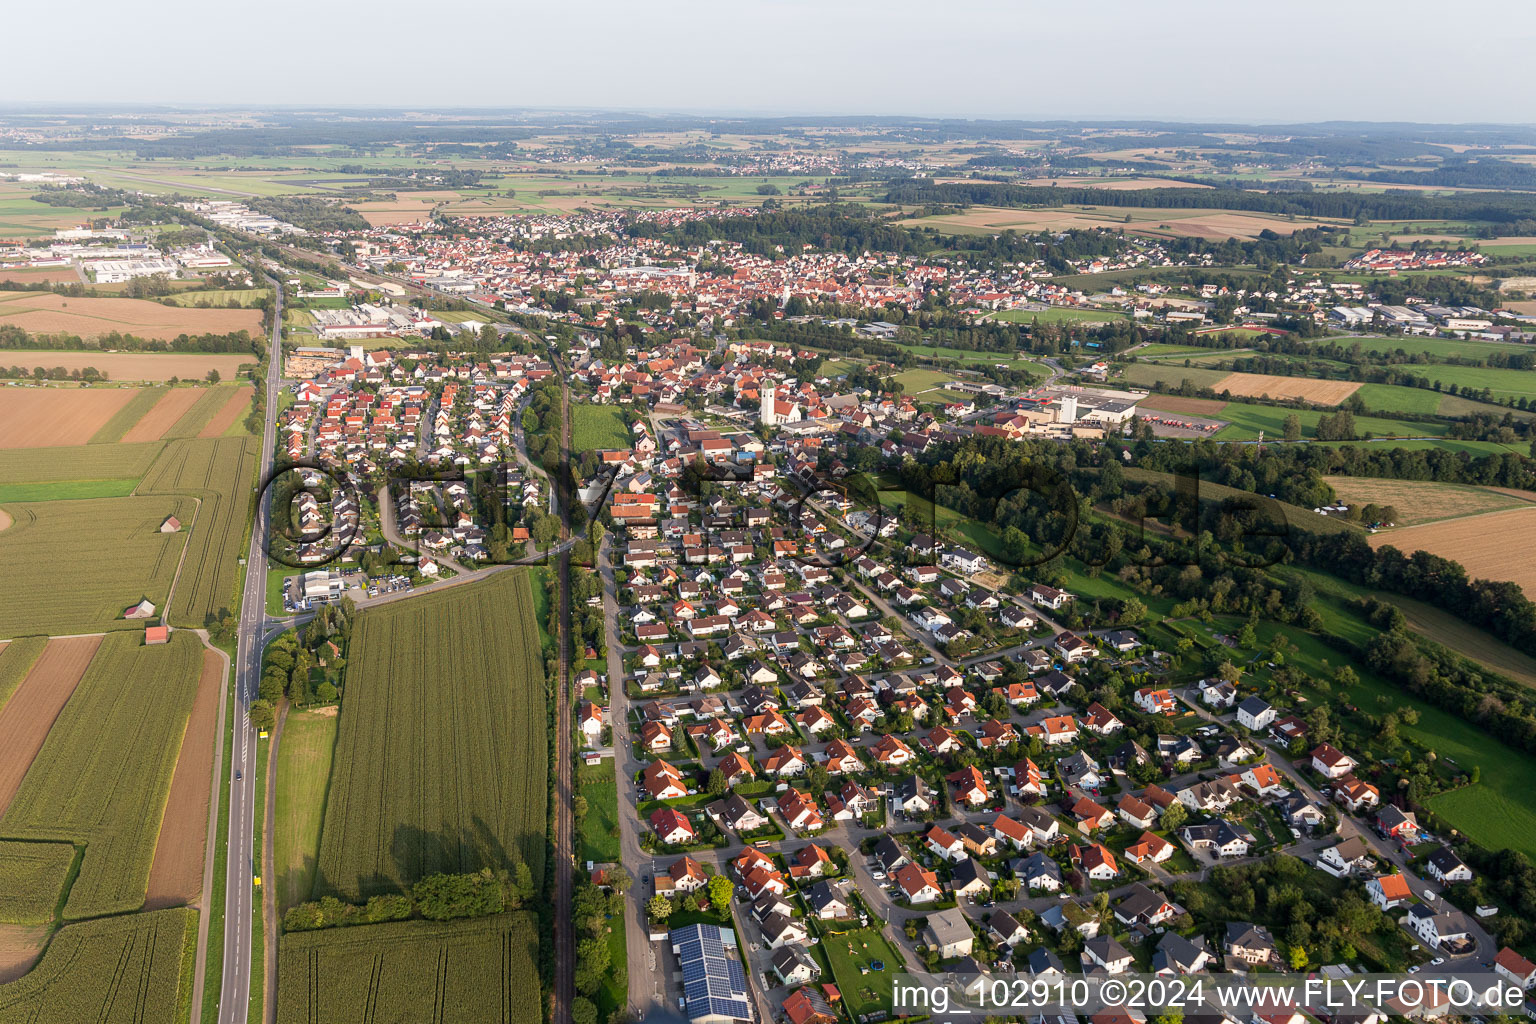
(75, 565)
(1396, 398)
(595, 427)
(218, 472)
(1245, 420)
(215, 297)
(1501, 383)
(77, 462)
(1419, 501)
(134, 366)
(115, 970)
(143, 400)
(176, 876)
(21, 216)
(482, 969)
(1211, 407)
(16, 659)
(104, 771)
(1150, 221)
(440, 756)
(35, 705)
(231, 415)
(49, 313)
(1435, 348)
(1263, 385)
(303, 770)
(41, 417)
(1481, 543)
(34, 880)
(165, 414)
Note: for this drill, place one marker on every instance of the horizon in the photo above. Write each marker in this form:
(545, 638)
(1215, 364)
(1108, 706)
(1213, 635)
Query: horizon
(852, 59)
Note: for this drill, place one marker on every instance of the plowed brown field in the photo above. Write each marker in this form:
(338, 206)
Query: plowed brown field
(1257, 385)
(48, 313)
(163, 414)
(47, 417)
(33, 708)
(1485, 545)
(176, 877)
(226, 417)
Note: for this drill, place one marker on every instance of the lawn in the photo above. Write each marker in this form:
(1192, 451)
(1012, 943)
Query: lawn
(440, 755)
(303, 772)
(600, 831)
(914, 381)
(595, 427)
(1058, 314)
(848, 953)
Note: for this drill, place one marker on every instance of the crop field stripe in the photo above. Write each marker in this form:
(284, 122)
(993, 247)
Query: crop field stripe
(194, 419)
(114, 429)
(16, 659)
(104, 772)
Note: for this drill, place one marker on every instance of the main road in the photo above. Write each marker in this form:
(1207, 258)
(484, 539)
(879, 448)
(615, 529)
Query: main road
(239, 883)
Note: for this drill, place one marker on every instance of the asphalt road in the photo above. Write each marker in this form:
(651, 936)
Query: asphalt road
(239, 895)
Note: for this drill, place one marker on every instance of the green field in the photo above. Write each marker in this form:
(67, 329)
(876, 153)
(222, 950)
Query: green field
(71, 490)
(1396, 398)
(600, 829)
(440, 760)
(78, 462)
(16, 660)
(73, 566)
(116, 970)
(1245, 420)
(847, 953)
(128, 415)
(482, 970)
(1435, 348)
(303, 770)
(102, 775)
(34, 875)
(595, 427)
(1058, 315)
(913, 382)
(219, 472)
(221, 298)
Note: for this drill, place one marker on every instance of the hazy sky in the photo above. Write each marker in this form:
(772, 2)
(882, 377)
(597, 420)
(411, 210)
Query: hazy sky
(1421, 60)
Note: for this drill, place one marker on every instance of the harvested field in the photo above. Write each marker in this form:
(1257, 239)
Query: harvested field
(40, 275)
(45, 417)
(1481, 543)
(47, 313)
(405, 208)
(1259, 385)
(5, 519)
(1189, 406)
(192, 422)
(170, 408)
(227, 416)
(176, 876)
(132, 366)
(20, 946)
(1156, 222)
(30, 713)
(1419, 501)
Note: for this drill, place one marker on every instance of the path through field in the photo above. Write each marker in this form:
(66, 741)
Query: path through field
(176, 876)
(34, 707)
